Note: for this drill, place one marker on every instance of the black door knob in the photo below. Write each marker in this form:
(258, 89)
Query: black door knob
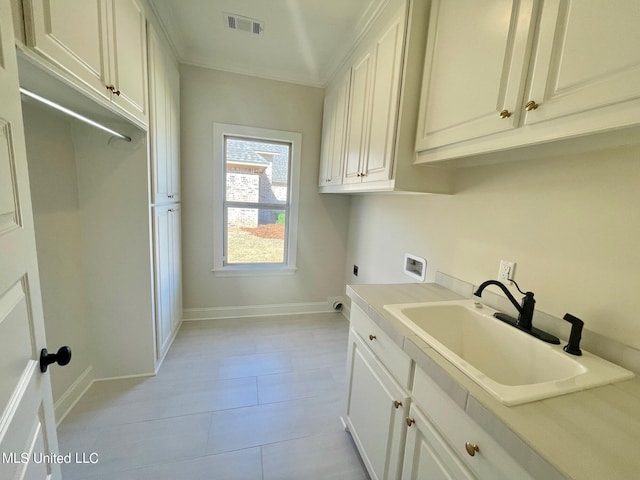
(61, 357)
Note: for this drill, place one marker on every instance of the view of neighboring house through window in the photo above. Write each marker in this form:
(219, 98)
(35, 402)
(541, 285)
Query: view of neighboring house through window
(256, 187)
(256, 206)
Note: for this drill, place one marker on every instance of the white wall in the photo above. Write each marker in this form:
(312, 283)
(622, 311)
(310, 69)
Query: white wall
(57, 220)
(113, 188)
(209, 96)
(571, 223)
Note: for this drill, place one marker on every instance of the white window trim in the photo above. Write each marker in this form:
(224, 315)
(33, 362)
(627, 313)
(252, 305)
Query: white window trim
(220, 130)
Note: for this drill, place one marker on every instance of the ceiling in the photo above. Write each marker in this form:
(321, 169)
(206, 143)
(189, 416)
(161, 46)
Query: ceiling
(303, 41)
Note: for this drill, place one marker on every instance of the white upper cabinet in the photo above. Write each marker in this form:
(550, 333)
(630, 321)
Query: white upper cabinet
(99, 45)
(475, 68)
(72, 34)
(507, 74)
(334, 124)
(373, 109)
(129, 58)
(587, 58)
(356, 149)
(378, 134)
(164, 94)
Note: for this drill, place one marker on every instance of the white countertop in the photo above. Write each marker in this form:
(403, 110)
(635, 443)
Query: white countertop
(592, 434)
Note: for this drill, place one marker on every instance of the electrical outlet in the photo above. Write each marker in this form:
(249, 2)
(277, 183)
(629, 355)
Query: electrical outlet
(506, 271)
(355, 270)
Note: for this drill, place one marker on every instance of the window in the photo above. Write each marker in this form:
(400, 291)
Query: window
(255, 200)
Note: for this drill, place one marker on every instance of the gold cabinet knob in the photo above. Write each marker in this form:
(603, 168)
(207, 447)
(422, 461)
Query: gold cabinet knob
(397, 404)
(372, 337)
(471, 448)
(113, 89)
(505, 114)
(531, 106)
(410, 421)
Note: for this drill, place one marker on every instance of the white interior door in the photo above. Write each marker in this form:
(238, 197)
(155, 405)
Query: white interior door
(27, 427)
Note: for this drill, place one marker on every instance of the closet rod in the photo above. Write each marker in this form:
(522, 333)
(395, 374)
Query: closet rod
(72, 113)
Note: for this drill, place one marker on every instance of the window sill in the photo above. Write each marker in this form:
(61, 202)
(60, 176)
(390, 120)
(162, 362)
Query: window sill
(253, 271)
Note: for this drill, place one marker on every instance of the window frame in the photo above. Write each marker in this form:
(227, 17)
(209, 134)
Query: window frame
(220, 132)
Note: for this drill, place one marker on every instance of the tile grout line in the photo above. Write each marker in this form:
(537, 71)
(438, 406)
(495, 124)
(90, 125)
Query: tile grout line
(322, 340)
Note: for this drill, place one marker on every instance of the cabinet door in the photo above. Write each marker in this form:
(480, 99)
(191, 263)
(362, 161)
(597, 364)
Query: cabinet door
(173, 84)
(385, 90)
(475, 68)
(427, 455)
(164, 124)
(458, 428)
(176, 266)
(72, 34)
(328, 134)
(166, 231)
(587, 57)
(158, 130)
(356, 142)
(375, 420)
(336, 108)
(129, 58)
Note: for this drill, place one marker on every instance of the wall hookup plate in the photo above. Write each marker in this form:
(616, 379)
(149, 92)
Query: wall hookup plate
(415, 267)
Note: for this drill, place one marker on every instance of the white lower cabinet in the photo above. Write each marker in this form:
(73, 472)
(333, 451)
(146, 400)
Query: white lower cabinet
(470, 445)
(427, 454)
(376, 404)
(168, 292)
(418, 434)
(376, 411)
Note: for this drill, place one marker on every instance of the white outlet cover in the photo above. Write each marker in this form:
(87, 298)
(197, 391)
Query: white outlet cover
(506, 271)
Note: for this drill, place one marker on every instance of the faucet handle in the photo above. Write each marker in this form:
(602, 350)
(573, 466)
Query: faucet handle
(573, 347)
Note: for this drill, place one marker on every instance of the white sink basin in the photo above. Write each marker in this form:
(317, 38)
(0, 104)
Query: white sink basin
(511, 365)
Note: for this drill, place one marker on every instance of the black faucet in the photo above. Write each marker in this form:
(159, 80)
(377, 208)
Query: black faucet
(525, 310)
(524, 321)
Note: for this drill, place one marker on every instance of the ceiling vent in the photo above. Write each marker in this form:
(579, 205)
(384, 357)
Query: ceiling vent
(243, 24)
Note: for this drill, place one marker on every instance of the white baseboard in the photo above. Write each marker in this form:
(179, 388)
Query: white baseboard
(125, 377)
(216, 313)
(78, 388)
(345, 427)
(73, 394)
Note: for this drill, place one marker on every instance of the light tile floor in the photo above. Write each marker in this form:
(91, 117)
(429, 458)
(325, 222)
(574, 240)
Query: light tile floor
(234, 399)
